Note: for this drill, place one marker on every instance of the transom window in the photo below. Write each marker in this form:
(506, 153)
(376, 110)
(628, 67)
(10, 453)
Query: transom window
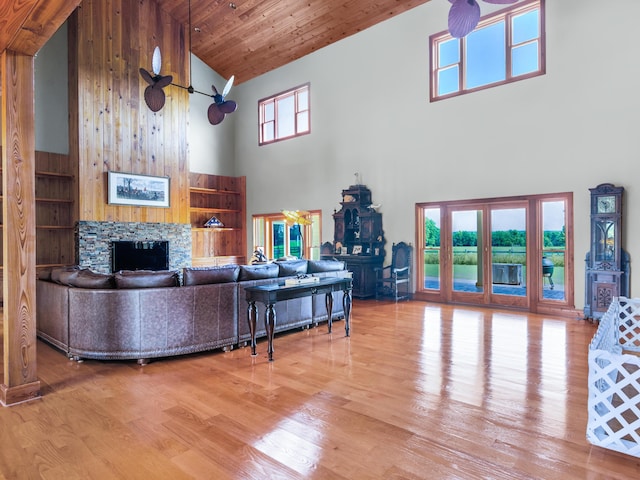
(285, 115)
(505, 47)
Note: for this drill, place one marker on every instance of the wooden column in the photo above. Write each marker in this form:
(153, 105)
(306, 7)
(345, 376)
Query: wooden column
(18, 229)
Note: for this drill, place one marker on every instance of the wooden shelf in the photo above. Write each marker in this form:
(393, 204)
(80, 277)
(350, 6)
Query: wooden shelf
(213, 191)
(223, 197)
(214, 210)
(54, 175)
(215, 229)
(53, 200)
(55, 227)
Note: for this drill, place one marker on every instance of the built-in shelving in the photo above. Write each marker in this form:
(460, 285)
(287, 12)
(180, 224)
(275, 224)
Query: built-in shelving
(224, 198)
(55, 216)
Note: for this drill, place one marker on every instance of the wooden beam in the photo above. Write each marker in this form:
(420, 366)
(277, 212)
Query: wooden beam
(18, 229)
(27, 25)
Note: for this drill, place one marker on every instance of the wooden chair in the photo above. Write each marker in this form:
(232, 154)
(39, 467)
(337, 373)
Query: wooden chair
(395, 280)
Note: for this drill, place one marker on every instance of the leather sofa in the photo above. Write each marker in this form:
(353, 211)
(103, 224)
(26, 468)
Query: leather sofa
(144, 315)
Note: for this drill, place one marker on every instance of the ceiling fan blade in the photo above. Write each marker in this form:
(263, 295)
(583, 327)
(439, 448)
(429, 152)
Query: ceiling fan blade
(463, 17)
(163, 81)
(215, 114)
(147, 76)
(154, 98)
(228, 86)
(215, 90)
(156, 61)
(228, 106)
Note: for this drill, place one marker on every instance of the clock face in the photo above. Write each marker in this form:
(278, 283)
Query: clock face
(606, 204)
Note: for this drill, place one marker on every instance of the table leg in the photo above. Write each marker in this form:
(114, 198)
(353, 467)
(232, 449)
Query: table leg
(346, 302)
(252, 312)
(269, 325)
(329, 303)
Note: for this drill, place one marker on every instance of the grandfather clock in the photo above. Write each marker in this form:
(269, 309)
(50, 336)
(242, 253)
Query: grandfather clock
(607, 264)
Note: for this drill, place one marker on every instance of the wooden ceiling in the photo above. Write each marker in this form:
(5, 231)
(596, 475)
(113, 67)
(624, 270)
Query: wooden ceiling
(247, 38)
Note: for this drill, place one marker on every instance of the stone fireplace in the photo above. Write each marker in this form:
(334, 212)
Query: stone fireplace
(93, 241)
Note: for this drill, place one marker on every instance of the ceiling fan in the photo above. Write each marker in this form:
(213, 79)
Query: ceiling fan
(154, 96)
(464, 15)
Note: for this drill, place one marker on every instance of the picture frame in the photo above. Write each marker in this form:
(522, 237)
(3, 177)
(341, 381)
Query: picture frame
(138, 190)
(357, 250)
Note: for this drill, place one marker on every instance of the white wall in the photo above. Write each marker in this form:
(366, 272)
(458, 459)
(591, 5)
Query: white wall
(211, 147)
(52, 94)
(569, 130)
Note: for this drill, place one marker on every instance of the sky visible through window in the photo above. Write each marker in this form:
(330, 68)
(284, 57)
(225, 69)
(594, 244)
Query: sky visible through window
(487, 54)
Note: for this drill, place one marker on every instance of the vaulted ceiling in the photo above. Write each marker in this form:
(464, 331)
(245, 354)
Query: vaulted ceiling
(245, 38)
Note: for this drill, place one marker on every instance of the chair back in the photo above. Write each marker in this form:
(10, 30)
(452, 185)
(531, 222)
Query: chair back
(401, 255)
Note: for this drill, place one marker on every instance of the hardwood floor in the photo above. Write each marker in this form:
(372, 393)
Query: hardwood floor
(418, 391)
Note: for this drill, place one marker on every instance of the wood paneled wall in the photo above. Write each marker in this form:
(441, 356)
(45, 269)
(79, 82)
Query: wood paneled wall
(111, 126)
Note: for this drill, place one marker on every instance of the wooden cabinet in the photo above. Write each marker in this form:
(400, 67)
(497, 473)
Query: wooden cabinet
(359, 239)
(224, 198)
(56, 200)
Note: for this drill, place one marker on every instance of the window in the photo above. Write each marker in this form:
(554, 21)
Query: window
(279, 239)
(505, 47)
(510, 251)
(285, 115)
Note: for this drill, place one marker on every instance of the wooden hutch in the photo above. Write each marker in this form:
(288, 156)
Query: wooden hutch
(359, 239)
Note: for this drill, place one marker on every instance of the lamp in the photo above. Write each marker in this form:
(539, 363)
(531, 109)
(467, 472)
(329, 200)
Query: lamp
(464, 15)
(297, 217)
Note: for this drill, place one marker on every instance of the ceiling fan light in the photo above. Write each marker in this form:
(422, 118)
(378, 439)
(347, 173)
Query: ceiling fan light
(464, 15)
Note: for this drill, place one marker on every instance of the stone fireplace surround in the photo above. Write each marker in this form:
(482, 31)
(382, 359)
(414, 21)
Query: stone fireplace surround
(93, 241)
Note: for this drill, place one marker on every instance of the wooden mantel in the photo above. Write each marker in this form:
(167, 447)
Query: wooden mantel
(24, 29)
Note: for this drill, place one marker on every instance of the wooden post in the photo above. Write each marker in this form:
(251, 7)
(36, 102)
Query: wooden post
(20, 381)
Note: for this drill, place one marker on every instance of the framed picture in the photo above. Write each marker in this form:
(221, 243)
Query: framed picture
(357, 250)
(138, 190)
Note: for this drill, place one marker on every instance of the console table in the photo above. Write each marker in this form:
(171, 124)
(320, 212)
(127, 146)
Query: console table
(270, 294)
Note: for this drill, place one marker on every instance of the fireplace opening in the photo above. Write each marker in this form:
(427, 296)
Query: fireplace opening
(143, 255)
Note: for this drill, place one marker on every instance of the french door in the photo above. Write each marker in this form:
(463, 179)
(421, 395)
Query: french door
(511, 252)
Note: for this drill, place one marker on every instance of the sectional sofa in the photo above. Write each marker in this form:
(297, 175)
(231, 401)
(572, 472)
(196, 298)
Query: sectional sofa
(142, 315)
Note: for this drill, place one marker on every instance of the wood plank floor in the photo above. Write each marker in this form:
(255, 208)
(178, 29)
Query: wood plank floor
(419, 391)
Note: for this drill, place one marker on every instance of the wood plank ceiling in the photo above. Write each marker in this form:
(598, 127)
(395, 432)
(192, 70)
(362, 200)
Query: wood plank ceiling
(247, 38)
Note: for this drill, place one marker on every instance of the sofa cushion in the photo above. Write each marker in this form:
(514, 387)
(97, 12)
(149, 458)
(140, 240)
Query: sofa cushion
(292, 267)
(90, 279)
(257, 272)
(206, 275)
(316, 266)
(145, 279)
(61, 275)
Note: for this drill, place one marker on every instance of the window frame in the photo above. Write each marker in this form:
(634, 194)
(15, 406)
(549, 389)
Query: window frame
(505, 15)
(262, 228)
(536, 249)
(274, 100)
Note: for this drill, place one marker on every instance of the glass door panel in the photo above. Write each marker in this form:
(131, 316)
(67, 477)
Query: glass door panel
(431, 252)
(295, 241)
(467, 271)
(278, 238)
(554, 250)
(509, 251)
